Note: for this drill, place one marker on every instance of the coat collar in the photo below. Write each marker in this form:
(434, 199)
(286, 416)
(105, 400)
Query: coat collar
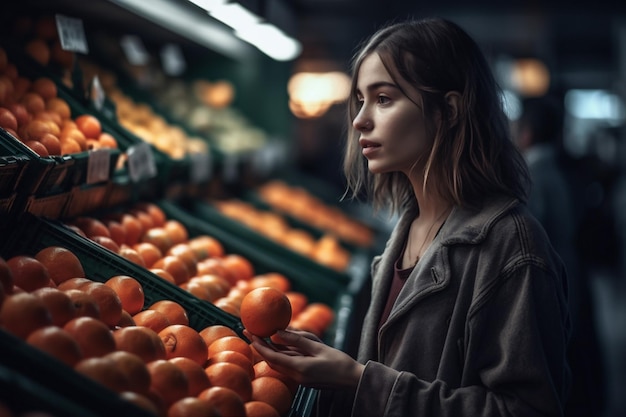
(432, 273)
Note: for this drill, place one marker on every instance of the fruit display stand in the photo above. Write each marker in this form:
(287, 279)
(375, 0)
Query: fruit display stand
(31, 380)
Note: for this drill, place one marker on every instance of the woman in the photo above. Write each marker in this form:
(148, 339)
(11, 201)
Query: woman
(468, 315)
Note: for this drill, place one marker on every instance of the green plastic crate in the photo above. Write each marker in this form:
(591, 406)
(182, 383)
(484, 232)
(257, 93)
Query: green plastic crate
(29, 234)
(32, 380)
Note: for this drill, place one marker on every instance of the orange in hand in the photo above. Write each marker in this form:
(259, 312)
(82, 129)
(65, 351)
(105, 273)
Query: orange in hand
(264, 311)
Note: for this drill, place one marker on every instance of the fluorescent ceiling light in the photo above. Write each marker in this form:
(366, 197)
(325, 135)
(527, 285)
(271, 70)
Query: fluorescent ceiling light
(235, 15)
(208, 5)
(271, 41)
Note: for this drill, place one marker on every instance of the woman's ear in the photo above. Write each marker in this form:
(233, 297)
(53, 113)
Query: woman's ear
(453, 101)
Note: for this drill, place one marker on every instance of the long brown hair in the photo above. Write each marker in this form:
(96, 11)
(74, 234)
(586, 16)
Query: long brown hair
(471, 157)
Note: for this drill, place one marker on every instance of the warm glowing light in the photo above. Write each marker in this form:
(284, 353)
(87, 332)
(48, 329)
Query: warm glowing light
(530, 77)
(312, 94)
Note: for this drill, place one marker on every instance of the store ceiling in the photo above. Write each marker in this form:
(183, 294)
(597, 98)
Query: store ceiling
(578, 40)
(580, 43)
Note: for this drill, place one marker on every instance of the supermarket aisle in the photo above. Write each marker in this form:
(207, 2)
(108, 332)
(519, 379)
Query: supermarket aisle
(609, 293)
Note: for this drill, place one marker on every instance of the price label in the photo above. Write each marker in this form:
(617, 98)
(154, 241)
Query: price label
(201, 165)
(141, 165)
(71, 34)
(98, 166)
(172, 60)
(96, 93)
(134, 50)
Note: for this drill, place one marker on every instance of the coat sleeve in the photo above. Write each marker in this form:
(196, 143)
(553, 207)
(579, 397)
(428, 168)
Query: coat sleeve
(514, 359)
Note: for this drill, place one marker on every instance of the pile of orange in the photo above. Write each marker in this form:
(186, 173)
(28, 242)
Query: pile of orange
(32, 111)
(144, 235)
(94, 328)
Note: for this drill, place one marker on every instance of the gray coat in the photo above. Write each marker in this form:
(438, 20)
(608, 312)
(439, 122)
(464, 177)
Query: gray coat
(479, 329)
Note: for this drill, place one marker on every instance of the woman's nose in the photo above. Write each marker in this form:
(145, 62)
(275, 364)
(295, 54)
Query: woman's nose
(361, 122)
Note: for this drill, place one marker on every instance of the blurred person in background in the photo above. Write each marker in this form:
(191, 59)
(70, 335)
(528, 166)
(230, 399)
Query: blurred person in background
(539, 133)
(468, 313)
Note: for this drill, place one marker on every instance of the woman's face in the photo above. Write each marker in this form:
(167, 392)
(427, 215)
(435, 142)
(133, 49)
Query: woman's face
(393, 133)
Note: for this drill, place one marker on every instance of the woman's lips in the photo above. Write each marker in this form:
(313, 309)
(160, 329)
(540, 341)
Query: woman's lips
(368, 146)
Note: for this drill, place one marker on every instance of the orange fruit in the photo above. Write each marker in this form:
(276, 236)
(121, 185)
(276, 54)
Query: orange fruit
(211, 333)
(240, 267)
(93, 336)
(52, 143)
(163, 274)
(234, 343)
(7, 119)
(89, 125)
(77, 283)
(232, 356)
(61, 56)
(45, 87)
(174, 312)
(108, 301)
(272, 391)
(23, 313)
(91, 226)
(125, 321)
(206, 247)
(70, 146)
(116, 230)
(130, 292)
(62, 263)
(28, 273)
(260, 409)
(181, 340)
(142, 341)
(176, 230)
(271, 279)
(168, 381)
(229, 375)
(134, 368)
(107, 243)
(157, 214)
(33, 102)
(264, 311)
(214, 266)
(192, 407)
(184, 252)
(197, 378)
(153, 319)
(200, 290)
(298, 302)
(227, 401)
(143, 217)
(59, 106)
(142, 401)
(149, 252)
(228, 305)
(56, 342)
(37, 147)
(58, 303)
(85, 304)
(174, 266)
(316, 316)
(104, 371)
(6, 277)
(132, 255)
(107, 141)
(159, 237)
(134, 228)
(74, 136)
(262, 368)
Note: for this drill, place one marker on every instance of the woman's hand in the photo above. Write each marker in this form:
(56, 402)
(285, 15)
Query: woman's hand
(308, 361)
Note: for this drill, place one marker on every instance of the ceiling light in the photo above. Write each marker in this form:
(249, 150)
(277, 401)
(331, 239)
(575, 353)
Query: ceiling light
(270, 40)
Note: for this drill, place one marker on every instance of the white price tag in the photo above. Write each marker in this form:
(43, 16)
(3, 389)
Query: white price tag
(141, 163)
(71, 34)
(172, 60)
(97, 93)
(201, 165)
(134, 50)
(98, 166)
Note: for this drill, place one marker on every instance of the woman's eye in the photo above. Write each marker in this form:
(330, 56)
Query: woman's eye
(383, 99)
